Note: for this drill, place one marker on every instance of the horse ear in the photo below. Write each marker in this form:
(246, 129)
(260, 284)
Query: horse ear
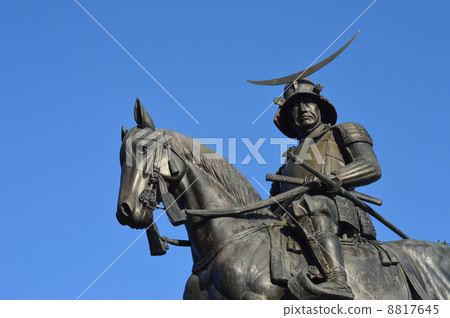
(124, 131)
(143, 119)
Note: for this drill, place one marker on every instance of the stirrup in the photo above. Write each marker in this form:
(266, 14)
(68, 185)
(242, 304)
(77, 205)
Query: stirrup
(301, 283)
(331, 285)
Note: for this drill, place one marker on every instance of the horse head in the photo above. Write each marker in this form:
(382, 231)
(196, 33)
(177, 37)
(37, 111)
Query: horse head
(145, 161)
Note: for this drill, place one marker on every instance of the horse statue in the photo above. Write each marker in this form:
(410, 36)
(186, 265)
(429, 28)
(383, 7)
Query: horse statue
(240, 249)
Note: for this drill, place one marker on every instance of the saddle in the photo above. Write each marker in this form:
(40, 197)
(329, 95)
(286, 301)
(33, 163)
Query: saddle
(369, 263)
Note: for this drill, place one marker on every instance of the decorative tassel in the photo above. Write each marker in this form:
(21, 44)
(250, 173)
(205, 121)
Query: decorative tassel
(157, 246)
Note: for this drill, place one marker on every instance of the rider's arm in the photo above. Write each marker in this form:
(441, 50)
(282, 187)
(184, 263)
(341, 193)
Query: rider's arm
(364, 167)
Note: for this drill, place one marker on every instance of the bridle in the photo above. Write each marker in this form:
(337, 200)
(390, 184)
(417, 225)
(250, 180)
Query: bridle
(157, 191)
(149, 196)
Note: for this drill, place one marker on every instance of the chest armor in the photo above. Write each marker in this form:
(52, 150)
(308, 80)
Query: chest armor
(322, 153)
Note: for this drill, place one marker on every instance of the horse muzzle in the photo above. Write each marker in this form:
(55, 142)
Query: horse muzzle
(123, 213)
(137, 218)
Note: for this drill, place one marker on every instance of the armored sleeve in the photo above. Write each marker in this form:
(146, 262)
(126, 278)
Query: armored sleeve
(352, 132)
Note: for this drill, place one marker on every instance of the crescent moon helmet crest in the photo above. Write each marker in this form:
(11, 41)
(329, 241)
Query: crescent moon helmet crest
(306, 72)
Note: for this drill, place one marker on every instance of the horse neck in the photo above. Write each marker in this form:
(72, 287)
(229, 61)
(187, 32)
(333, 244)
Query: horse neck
(211, 183)
(203, 192)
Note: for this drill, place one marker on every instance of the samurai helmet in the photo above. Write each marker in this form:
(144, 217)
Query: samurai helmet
(297, 85)
(299, 89)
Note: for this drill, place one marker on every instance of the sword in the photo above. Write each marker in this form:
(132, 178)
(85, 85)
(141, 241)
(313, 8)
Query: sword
(347, 194)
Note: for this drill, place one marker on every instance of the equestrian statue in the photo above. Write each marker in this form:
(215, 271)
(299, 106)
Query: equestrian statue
(312, 239)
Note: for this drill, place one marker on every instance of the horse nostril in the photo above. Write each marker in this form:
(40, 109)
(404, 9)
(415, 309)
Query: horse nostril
(126, 210)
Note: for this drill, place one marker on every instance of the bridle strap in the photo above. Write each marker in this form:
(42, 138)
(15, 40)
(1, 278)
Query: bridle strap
(175, 214)
(180, 174)
(175, 242)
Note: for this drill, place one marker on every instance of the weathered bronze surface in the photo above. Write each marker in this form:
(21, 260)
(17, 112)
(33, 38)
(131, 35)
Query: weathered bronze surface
(297, 251)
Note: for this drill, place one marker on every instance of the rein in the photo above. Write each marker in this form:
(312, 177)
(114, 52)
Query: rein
(279, 198)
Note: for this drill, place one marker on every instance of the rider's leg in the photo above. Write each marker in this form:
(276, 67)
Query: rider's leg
(328, 251)
(319, 221)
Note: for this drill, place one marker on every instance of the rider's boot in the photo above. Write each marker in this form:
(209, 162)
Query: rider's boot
(330, 257)
(321, 234)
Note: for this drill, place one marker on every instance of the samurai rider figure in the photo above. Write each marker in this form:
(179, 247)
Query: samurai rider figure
(344, 153)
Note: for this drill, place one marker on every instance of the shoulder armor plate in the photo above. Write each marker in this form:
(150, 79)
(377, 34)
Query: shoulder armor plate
(352, 132)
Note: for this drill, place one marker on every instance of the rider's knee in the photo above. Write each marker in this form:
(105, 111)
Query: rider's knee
(316, 206)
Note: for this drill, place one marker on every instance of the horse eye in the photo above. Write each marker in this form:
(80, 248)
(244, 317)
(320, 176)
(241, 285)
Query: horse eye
(144, 150)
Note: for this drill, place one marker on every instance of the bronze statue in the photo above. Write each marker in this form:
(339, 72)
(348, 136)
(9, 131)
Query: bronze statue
(316, 223)
(343, 152)
(240, 249)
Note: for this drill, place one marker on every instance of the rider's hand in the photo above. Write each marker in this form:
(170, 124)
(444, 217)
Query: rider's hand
(337, 181)
(311, 178)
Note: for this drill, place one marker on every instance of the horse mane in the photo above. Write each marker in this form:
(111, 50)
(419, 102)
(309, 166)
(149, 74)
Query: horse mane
(220, 169)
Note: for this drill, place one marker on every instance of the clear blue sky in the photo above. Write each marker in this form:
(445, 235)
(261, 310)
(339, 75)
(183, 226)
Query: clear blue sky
(66, 88)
